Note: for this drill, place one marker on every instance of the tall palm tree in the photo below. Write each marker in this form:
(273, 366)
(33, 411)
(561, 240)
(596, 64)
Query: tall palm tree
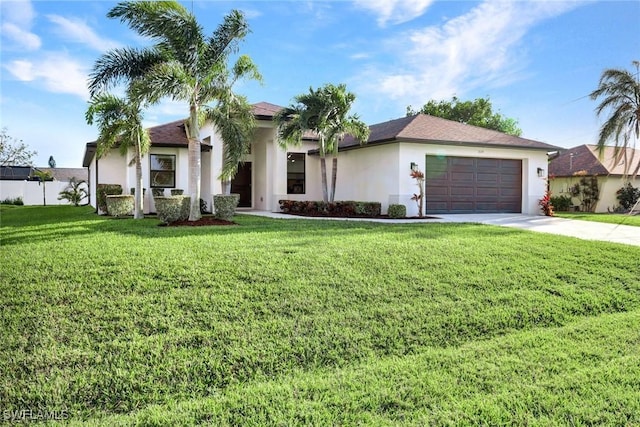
(120, 123)
(185, 65)
(620, 93)
(324, 112)
(43, 177)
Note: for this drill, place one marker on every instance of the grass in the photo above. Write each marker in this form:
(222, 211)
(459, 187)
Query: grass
(289, 322)
(625, 219)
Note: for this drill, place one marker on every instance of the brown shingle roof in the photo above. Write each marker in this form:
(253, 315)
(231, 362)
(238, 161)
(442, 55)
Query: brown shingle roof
(65, 174)
(425, 128)
(265, 110)
(585, 158)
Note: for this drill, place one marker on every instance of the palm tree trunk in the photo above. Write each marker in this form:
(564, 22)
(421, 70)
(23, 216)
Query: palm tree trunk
(195, 169)
(334, 175)
(138, 211)
(323, 172)
(44, 193)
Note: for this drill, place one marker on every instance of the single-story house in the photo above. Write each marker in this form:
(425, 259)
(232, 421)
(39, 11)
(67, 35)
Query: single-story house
(567, 169)
(468, 169)
(22, 182)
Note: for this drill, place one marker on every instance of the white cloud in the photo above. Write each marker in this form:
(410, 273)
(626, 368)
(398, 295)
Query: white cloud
(395, 11)
(56, 72)
(477, 49)
(17, 17)
(78, 31)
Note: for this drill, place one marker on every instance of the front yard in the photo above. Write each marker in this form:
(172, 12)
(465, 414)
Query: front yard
(311, 322)
(625, 219)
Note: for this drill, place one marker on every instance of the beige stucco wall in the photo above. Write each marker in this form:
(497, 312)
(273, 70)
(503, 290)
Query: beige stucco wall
(381, 173)
(608, 186)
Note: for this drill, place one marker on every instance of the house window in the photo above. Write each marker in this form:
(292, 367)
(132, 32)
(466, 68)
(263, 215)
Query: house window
(295, 173)
(163, 171)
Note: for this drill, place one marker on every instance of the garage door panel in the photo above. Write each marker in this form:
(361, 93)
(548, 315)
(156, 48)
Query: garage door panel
(473, 185)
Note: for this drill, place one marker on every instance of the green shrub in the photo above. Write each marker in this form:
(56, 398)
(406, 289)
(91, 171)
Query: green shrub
(157, 192)
(170, 208)
(177, 192)
(628, 196)
(120, 205)
(225, 205)
(397, 211)
(368, 209)
(9, 201)
(133, 191)
(343, 209)
(204, 208)
(561, 203)
(104, 190)
(186, 207)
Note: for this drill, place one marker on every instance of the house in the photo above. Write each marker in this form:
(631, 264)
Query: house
(22, 182)
(468, 169)
(570, 166)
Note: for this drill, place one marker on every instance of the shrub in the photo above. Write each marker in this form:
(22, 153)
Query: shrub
(561, 203)
(177, 191)
(204, 208)
(157, 192)
(628, 196)
(104, 190)
(75, 192)
(397, 211)
(186, 207)
(339, 209)
(225, 205)
(133, 191)
(120, 205)
(170, 209)
(9, 201)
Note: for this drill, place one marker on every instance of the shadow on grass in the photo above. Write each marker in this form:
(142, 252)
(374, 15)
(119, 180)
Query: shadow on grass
(37, 224)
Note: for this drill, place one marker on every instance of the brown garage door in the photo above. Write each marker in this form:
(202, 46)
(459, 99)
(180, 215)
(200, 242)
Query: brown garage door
(473, 185)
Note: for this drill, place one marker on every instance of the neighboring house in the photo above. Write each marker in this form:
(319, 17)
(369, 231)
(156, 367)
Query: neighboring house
(468, 169)
(570, 166)
(22, 182)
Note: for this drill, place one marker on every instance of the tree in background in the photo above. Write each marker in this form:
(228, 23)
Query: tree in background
(189, 66)
(619, 94)
(120, 123)
(43, 177)
(14, 152)
(324, 112)
(478, 112)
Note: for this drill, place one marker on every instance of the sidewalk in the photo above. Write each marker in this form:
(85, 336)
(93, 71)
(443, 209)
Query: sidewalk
(587, 230)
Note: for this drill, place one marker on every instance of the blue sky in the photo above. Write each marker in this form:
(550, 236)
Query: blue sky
(536, 60)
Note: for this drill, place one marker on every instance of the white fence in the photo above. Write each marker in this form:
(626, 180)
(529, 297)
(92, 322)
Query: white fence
(31, 192)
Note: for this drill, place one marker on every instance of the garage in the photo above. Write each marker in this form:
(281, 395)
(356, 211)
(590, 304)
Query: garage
(472, 185)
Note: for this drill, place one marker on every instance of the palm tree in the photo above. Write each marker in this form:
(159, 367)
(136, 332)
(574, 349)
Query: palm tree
(620, 93)
(120, 123)
(75, 192)
(185, 65)
(323, 112)
(43, 177)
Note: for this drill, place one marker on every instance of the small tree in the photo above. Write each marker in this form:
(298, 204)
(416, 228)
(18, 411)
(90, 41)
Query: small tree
(43, 177)
(75, 192)
(14, 152)
(628, 196)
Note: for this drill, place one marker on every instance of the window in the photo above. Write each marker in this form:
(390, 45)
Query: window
(163, 171)
(295, 173)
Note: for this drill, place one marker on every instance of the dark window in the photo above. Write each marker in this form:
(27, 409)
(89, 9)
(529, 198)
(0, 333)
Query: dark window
(163, 171)
(295, 173)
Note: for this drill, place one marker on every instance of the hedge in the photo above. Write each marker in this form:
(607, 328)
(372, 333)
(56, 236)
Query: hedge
(172, 208)
(120, 205)
(336, 209)
(104, 190)
(225, 205)
(397, 211)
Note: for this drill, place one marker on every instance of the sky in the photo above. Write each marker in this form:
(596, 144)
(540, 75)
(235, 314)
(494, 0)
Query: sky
(537, 61)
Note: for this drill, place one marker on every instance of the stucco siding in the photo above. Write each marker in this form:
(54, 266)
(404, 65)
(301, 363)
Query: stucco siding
(607, 185)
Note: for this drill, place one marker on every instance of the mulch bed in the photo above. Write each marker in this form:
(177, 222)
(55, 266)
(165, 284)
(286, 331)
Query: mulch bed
(205, 220)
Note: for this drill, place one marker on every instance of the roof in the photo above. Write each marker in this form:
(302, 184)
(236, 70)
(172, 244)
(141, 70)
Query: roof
(65, 174)
(430, 129)
(173, 134)
(16, 173)
(586, 159)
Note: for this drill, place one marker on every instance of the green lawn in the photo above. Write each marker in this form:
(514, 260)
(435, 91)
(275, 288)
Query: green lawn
(307, 322)
(602, 217)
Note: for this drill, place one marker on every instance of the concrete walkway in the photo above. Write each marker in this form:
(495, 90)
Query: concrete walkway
(587, 230)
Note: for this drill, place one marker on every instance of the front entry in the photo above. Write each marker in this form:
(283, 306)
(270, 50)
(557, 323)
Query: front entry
(241, 184)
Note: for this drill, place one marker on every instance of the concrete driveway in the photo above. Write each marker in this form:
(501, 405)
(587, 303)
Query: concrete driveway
(587, 230)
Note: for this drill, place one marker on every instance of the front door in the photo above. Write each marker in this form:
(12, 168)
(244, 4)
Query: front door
(241, 184)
